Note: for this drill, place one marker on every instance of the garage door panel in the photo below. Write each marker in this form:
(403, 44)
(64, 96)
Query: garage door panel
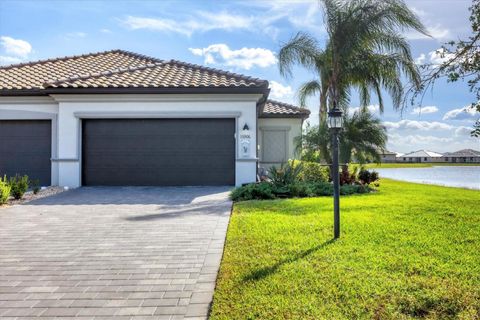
(25, 148)
(158, 152)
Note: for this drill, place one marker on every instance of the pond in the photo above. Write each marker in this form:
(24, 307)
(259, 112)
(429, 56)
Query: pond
(452, 176)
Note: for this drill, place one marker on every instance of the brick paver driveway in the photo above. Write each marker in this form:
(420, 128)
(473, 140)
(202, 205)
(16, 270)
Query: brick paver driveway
(113, 253)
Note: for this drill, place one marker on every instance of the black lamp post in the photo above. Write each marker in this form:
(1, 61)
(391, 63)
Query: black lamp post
(335, 123)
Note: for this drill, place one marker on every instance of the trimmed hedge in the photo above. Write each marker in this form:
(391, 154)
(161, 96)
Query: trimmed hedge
(266, 190)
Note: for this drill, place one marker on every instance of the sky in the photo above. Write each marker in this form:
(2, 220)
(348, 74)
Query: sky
(244, 37)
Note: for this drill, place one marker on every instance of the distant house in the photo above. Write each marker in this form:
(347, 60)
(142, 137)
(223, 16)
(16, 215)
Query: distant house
(387, 156)
(462, 156)
(421, 156)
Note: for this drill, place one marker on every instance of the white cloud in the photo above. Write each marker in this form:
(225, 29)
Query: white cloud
(421, 59)
(104, 30)
(244, 58)
(279, 91)
(417, 125)
(465, 113)
(435, 57)
(201, 21)
(463, 131)
(16, 47)
(373, 108)
(6, 60)
(424, 110)
(436, 32)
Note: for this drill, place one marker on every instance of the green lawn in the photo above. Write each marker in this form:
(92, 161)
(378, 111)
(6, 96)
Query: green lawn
(416, 165)
(408, 251)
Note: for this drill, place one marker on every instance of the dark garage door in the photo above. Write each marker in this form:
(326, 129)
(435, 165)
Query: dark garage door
(158, 152)
(26, 148)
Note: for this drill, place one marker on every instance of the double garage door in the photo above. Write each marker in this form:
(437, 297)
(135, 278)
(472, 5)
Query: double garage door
(129, 152)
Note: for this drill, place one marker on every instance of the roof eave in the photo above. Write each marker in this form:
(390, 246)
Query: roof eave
(131, 90)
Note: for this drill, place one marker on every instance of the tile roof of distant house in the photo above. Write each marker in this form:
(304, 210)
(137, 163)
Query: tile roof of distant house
(110, 71)
(463, 153)
(423, 153)
(276, 109)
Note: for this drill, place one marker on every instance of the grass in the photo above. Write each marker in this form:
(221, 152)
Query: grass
(407, 251)
(416, 165)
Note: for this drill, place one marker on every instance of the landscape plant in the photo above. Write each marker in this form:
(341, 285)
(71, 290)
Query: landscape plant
(35, 186)
(19, 185)
(4, 190)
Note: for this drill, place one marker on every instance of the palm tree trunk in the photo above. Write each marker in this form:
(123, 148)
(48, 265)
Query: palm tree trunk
(322, 115)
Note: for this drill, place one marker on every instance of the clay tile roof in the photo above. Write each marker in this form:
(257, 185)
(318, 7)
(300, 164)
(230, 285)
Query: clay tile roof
(276, 109)
(117, 69)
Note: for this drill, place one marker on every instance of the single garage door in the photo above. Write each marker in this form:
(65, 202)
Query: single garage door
(158, 152)
(26, 148)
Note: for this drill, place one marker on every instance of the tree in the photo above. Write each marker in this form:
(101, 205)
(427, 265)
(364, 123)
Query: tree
(364, 51)
(461, 62)
(363, 136)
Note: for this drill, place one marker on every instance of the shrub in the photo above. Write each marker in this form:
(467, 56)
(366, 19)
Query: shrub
(19, 185)
(254, 191)
(322, 189)
(287, 174)
(4, 190)
(312, 171)
(354, 189)
(35, 186)
(301, 189)
(367, 177)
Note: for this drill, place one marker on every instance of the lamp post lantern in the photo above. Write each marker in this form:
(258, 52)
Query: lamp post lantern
(335, 123)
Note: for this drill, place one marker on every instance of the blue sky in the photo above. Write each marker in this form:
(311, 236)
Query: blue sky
(244, 37)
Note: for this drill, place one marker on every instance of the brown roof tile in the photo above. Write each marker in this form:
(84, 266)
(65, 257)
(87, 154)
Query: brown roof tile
(276, 109)
(117, 69)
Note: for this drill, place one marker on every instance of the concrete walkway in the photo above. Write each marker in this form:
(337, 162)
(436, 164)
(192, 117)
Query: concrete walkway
(113, 253)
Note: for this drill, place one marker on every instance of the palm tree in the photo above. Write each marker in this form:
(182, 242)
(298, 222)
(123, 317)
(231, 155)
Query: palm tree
(365, 51)
(363, 136)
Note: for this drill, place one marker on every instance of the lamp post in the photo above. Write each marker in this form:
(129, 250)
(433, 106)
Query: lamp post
(335, 123)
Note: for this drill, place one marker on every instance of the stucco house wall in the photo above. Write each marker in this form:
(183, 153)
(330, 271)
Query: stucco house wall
(290, 127)
(67, 111)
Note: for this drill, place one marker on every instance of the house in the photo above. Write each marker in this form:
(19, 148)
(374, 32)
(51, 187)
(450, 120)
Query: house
(462, 156)
(387, 156)
(421, 156)
(121, 118)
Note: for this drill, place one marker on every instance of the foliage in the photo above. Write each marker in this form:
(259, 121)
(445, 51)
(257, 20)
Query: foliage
(363, 135)
(365, 50)
(4, 190)
(367, 177)
(461, 62)
(287, 174)
(35, 185)
(299, 189)
(19, 185)
(408, 251)
(311, 171)
(253, 191)
(347, 176)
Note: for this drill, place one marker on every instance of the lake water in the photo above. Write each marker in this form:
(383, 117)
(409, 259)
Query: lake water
(452, 176)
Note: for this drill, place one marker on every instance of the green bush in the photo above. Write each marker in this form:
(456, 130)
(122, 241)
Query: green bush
(301, 190)
(287, 174)
(19, 185)
(311, 171)
(367, 177)
(4, 190)
(35, 186)
(254, 191)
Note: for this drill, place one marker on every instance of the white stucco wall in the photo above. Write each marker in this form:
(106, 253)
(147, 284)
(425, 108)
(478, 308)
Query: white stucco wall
(67, 111)
(293, 127)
